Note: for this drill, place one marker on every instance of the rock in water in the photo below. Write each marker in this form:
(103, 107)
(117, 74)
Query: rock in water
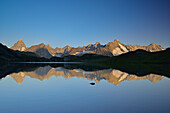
(92, 83)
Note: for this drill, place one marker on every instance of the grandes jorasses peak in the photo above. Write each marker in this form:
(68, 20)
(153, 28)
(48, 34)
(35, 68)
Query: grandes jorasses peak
(110, 49)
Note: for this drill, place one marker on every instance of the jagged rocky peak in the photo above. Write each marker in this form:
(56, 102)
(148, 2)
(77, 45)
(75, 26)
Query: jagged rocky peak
(92, 47)
(20, 41)
(152, 43)
(154, 47)
(20, 45)
(48, 45)
(111, 49)
(42, 44)
(116, 40)
(97, 43)
(67, 46)
(89, 45)
(114, 44)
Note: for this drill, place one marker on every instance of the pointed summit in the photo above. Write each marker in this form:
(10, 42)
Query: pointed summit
(20, 45)
(116, 40)
(67, 46)
(114, 43)
(154, 47)
(20, 41)
(97, 43)
(48, 46)
(89, 45)
(42, 44)
(152, 43)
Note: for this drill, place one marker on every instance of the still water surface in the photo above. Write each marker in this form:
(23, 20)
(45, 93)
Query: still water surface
(61, 90)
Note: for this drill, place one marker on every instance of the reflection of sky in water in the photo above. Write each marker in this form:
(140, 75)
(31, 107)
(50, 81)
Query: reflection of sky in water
(58, 94)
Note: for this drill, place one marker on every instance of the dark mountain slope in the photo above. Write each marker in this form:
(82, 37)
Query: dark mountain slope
(142, 56)
(134, 57)
(9, 55)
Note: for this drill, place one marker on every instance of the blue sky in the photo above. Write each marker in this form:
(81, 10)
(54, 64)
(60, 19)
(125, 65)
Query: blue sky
(81, 22)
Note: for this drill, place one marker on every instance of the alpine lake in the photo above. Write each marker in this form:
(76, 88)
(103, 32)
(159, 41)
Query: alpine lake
(78, 88)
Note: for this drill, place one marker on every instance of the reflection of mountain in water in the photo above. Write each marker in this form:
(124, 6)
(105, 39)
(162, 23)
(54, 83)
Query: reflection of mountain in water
(42, 71)
(111, 75)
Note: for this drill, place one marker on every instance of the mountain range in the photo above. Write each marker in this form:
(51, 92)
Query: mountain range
(110, 49)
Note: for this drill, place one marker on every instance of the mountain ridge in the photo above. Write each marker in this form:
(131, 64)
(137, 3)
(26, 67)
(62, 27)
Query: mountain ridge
(110, 49)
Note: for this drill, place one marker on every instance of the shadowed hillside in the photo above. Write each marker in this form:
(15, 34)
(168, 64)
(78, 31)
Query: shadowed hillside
(9, 55)
(133, 57)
